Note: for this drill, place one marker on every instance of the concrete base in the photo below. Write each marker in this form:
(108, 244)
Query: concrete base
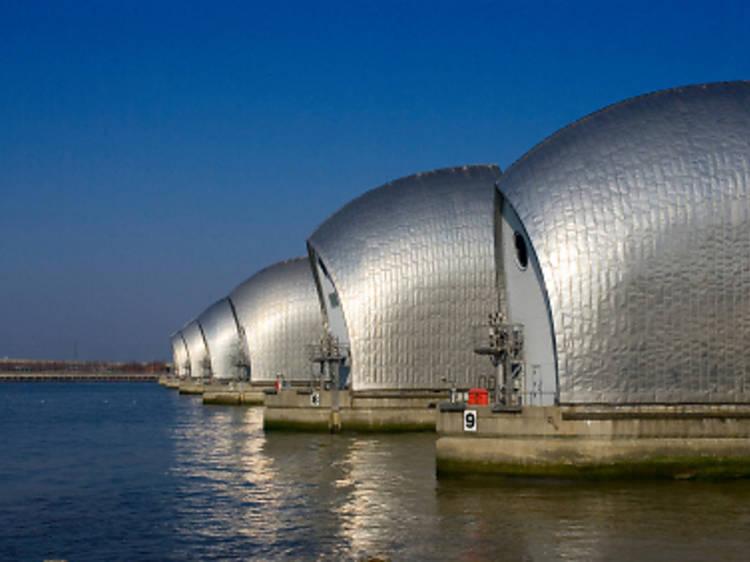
(687, 441)
(169, 381)
(252, 397)
(190, 387)
(172, 383)
(231, 398)
(232, 393)
(294, 410)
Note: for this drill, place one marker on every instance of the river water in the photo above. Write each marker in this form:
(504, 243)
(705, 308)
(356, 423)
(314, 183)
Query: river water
(133, 471)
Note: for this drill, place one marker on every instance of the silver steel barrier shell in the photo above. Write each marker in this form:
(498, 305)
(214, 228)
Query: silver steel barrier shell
(279, 313)
(180, 357)
(412, 266)
(225, 345)
(200, 362)
(639, 216)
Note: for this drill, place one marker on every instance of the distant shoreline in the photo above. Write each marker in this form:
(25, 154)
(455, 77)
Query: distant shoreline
(51, 370)
(79, 377)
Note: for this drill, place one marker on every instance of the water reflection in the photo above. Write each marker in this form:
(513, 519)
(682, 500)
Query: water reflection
(226, 485)
(390, 501)
(246, 494)
(531, 520)
(133, 472)
(298, 495)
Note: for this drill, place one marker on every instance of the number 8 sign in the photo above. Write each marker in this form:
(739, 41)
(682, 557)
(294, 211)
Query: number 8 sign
(470, 420)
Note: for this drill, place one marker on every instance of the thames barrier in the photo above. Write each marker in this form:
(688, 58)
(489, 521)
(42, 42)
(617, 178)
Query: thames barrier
(584, 313)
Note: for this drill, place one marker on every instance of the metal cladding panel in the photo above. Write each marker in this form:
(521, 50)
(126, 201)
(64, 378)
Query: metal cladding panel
(414, 266)
(222, 338)
(640, 218)
(196, 350)
(179, 355)
(279, 311)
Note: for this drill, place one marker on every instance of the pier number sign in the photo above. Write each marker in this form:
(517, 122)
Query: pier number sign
(470, 420)
(315, 399)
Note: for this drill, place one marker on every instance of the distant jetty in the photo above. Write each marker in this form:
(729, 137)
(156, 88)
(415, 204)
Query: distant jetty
(36, 370)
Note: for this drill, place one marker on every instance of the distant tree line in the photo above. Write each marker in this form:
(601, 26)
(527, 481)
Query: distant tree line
(47, 366)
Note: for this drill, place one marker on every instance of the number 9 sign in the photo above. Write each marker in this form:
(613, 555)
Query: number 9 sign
(470, 420)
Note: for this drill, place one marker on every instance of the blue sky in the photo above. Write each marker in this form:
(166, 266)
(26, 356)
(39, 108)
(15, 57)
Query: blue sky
(153, 155)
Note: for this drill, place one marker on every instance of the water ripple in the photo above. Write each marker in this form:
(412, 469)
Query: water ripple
(127, 472)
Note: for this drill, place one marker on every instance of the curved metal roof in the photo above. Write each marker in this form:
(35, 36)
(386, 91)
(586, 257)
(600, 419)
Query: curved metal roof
(200, 365)
(413, 263)
(225, 346)
(639, 215)
(278, 310)
(179, 354)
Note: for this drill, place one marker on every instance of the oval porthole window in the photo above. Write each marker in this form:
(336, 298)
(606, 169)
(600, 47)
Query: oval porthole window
(522, 254)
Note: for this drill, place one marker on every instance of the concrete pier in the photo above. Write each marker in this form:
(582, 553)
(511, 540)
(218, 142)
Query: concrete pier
(173, 383)
(169, 381)
(233, 393)
(189, 386)
(685, 441)
(306, 410)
